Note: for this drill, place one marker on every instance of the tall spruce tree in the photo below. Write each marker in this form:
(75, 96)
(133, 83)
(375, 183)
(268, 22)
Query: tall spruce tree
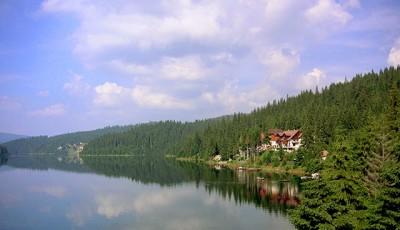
(387, 211)
(337, 200)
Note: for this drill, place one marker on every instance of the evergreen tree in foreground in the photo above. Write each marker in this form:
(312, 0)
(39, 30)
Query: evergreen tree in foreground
(337, 200)
(360, 184)
(386, 213)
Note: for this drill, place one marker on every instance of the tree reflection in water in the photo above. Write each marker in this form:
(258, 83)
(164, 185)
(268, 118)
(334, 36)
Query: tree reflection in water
(275, 193)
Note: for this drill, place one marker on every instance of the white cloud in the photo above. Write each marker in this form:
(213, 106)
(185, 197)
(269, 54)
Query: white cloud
(111, 205)
(110, 94)
(185, 68)
(130, 68)
(233, 99)
(43, 93)
(77, 86)
(223, 57)
(50, 111)
(352, 4)
(54, 191)
(60, 5)
(79, 215)
(120, 28)
(312, 79)
(208, 97)
(327, 15)
(394, 54)
(280, 62)
(148, 97)
(234, 54)
(277, 11)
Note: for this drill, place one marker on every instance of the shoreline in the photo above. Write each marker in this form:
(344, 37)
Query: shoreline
(245, 166)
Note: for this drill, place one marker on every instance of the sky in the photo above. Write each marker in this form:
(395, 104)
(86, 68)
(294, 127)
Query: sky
(76, 65)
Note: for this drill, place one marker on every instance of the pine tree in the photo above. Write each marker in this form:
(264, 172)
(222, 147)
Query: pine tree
(387, 211)
(337, 200)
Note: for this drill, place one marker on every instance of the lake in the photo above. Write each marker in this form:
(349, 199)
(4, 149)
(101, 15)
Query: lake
(52, 192)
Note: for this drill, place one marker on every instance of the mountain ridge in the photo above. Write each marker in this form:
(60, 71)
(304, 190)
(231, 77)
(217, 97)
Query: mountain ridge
(6, 137)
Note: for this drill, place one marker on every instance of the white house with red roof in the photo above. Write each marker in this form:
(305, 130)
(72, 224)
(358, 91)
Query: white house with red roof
(288, 140)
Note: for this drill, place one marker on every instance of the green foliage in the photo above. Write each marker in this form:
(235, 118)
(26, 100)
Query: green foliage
(337, 201)
(157, 139)
(45, 144)
(341, 107)
(3, 150)
(360, 182)
(322, 116)
(386, 213)
(6, 137)
(3, 154)
(266, 157)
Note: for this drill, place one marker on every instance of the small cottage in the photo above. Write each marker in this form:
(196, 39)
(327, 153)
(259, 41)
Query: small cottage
(324, 154)
(288, 140)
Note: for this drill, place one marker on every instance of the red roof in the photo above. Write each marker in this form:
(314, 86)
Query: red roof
(284, 136)
(275, 131)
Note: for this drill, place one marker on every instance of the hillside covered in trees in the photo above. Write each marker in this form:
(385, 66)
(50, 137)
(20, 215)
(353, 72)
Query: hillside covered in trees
(155, 138)
(360, 180)
(3, 154)
(358, 122)
(321, 115)
(6, 137)
(46, 144)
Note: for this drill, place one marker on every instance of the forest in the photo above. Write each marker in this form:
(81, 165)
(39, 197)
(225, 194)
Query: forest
(360, 180)
(322, 115)
(3, 154)
(46, 144)
(357, 122)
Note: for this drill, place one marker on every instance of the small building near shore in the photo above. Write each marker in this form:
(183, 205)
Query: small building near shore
(288, 140)
(324, 154)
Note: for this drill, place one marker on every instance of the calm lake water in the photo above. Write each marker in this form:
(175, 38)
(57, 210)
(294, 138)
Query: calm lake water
(137, 193)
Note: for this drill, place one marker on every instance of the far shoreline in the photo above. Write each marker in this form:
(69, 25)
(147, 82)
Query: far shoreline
(242, 165)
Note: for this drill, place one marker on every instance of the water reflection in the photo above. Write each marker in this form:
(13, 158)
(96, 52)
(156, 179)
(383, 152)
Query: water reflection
(129, 192)
(275, 192)
(46, 162)
(284, 193)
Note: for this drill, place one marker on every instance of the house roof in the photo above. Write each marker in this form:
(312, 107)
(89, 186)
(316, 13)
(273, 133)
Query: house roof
(277, 134)
(275, 131)
(292, 133)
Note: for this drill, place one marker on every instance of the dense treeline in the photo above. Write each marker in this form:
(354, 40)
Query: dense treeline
(321, 115)
(3, 150)
(154, 138)
(45, 144)
(360, 183)
(6, 137)
(3, 154)
(358, 122)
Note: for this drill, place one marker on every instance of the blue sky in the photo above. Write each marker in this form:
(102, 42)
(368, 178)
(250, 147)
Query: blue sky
(85, 64)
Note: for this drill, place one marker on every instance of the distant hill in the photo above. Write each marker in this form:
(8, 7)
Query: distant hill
(322, 116)
(53, 144)
(6, 137)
